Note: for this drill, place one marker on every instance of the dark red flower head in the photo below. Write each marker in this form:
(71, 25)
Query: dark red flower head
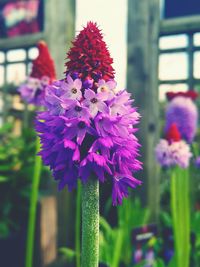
(43, 65)
(173, 135)
(89, 57)
(190, 94)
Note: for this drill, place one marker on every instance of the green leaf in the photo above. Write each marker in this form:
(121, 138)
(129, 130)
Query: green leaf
(4, 230)
(159, 263)
(105, 226)
(3, 179)
(141, 264)
(68, 253)
(172, 263)
(166, 219)
(5, 167)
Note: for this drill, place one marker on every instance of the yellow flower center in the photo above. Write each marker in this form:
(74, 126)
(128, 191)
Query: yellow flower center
(104, 89)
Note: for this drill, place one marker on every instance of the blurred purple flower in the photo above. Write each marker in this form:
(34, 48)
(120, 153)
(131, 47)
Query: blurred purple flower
(183, 112)
(174, 153)
(42, 74)
(32, 91)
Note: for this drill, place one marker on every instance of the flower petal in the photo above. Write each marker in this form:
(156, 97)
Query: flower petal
(89, 94)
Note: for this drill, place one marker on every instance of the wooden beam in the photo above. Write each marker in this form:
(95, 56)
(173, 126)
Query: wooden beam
(59, 32)
(142, 81)
(173, 81)
(47, 230)
(180, 25)
(21, 41)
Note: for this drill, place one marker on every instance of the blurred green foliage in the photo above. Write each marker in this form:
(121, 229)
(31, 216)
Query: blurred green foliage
(115, 243)
(16, 167)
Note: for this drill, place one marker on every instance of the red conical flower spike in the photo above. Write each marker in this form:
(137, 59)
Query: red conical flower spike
(190, 94)
(43, 65)
(89, 57)
(173, 135)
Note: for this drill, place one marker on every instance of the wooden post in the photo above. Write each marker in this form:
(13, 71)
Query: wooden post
(59, 32)
(142, 81)
(47, 231)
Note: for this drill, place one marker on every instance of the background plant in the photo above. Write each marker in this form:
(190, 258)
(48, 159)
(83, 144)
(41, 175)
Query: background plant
(16, 165)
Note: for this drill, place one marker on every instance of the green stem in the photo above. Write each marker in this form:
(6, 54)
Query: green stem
(174, 212)
(33, 208)
(187, 218)
(78, 225)
(90, 223)
(180, 208)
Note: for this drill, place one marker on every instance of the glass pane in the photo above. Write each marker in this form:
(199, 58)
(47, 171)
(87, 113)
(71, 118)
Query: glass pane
(173, 66)
(164, 88)
(33, 53)
(16, 73)
(1, 108)
(1, 102)
(197, 39)
(2, 57)
(17, 103)
(114, 29)
(1, 75)
(197, 65)
(173, 41)
(16, 55)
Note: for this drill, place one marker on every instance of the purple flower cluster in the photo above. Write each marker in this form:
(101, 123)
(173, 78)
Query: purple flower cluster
(88, 132)
(169, 154)
(182, 111)
(33, 90)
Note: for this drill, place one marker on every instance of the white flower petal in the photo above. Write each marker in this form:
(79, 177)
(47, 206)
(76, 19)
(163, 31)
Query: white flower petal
(70, 81)
(89, 94)
(93, 110)
(102, 106)
(78, 84)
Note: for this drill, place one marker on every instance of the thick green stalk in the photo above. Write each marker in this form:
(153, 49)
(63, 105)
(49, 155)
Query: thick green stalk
(174, 212)
(78, 225)
(90, 223)
(180, 208)
(33, 208)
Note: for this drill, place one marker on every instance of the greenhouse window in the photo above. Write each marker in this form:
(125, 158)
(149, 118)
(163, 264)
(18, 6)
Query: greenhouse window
(179, 62)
